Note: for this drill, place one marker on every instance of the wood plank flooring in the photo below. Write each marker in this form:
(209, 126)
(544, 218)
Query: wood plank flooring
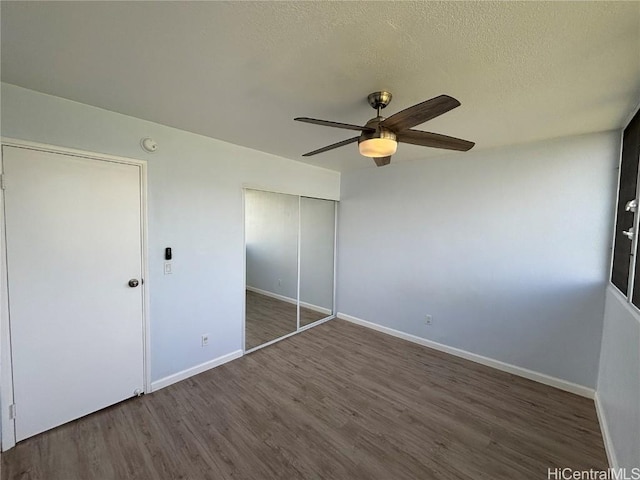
(338, 401)
(268, 318)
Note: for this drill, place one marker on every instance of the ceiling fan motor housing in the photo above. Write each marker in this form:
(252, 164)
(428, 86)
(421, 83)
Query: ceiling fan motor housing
(379, 132)
(382, 138)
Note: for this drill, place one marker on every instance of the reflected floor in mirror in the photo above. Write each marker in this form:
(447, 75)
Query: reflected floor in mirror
(308, 316)
(268, 318)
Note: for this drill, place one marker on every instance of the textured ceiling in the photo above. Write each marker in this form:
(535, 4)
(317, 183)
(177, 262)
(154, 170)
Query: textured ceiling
(241, 71)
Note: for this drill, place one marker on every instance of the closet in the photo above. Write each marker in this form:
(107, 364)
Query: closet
(290, 263)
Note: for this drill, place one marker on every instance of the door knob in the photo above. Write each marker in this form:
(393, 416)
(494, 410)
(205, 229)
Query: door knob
(133, 283)
(629, 233)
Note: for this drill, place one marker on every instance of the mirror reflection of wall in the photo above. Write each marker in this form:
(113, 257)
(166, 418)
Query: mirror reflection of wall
(317, 242)
(271, 235)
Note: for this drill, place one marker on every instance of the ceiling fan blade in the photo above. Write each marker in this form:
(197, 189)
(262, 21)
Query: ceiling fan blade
(332, 146)
(328, 123)
(420, 113)
(435, 140)
(382, 161)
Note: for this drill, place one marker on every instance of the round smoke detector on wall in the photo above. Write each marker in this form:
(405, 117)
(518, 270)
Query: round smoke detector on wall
(149, 145)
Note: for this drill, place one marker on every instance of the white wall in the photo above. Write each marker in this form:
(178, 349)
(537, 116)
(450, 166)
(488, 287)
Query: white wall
(619, 380)
(195, 207)
(508, 249)
(271, 237)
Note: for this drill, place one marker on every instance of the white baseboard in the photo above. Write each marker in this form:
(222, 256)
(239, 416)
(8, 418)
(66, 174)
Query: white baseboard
(310, 306)
(189, 372)
(490, 362)
(606, 436)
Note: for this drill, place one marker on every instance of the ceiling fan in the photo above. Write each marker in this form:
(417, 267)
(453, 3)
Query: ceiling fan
(379, 137)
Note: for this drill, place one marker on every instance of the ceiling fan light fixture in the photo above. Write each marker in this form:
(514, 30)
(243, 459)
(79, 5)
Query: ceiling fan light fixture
(381, 143)
(379, 138)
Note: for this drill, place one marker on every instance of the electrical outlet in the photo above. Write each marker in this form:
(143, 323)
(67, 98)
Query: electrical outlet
(205, 339)
(428, 319)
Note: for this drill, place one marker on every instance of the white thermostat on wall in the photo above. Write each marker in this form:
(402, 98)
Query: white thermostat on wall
(149, 145)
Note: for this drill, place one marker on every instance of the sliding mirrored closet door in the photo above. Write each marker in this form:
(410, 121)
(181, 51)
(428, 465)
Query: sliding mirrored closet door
(290, 252)
(271, 242)
(317, 242)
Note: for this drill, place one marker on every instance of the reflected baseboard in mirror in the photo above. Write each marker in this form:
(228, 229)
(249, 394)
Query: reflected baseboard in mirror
(268, 318)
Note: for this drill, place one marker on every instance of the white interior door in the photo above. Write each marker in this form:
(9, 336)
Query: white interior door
(74, 231)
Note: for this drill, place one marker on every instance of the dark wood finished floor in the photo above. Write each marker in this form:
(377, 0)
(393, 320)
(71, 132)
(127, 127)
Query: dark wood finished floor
(268, 318)
(335, 402)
